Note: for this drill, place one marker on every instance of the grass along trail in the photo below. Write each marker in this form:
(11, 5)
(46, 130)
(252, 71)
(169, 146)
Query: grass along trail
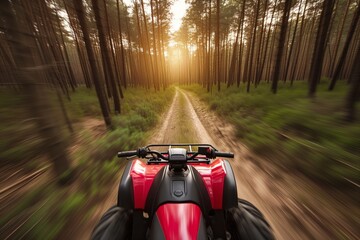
(294, 207)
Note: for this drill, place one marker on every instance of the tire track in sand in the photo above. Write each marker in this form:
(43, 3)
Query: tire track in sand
(293, 205)
(180, 124)
(258, 180)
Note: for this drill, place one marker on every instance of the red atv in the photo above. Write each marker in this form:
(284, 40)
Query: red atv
(180, 193)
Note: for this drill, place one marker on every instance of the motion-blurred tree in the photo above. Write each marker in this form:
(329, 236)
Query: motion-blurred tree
(281, 45)
(341, 61)
(107, 64)
(79, 7)
(354, 89)
(320, 46)
(23, 44)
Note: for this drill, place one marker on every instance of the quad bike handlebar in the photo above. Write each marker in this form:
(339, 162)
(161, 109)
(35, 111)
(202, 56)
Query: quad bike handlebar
(206, 150)
(224, 154)
(180, 178)
(127, 153)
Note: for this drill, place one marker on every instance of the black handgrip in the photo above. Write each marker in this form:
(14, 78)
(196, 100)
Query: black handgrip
(224, 154)
(127, 153)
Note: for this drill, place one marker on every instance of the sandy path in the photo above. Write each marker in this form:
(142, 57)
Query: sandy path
(180, 124)
(275, 192)
(174, 127)
(294, 206)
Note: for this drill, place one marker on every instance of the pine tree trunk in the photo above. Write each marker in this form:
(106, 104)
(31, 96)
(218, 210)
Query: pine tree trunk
(320, 46)
(240, 71)
(217, 43)
(208, 53)
(233, 58)
(299, 45)
(354, 89)
(260, 45)
(262, 64)
(94, 70)
(22, 45)
(104, 51)
(79, 49)
(253, 43)
(155, 57)
(344, 53)
(280, 48)
(288, 62)
(123, 67)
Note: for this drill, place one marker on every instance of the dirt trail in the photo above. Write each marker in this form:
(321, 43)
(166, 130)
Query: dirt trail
(174, 127)
(294, 206)
(275, 192)
(180, 124)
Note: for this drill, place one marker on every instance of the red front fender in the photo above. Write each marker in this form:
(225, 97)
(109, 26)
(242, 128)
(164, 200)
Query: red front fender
(177, 221)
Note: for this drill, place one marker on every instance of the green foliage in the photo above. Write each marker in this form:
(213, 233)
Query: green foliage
(308, 135)
(17, 143)
(27, 201)
(48, 209)
(42, 212)
(49, 214)
(71, 203)
(82, 103)
(141, 111)
(97, 159)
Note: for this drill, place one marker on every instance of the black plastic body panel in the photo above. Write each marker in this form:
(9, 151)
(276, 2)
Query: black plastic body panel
(202, 234)
(139, 225)
(189, 182)
(230, 198)
(125, 193)
(156, 232)
(170, 186)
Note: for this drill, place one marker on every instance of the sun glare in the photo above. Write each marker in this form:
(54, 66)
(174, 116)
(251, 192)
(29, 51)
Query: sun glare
(178, 10)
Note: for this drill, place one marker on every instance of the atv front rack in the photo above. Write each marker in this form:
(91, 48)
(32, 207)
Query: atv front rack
(189, 145)
(177, 155)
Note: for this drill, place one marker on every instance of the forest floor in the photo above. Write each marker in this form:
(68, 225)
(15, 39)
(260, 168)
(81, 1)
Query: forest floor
(295, 207)
(33, 205)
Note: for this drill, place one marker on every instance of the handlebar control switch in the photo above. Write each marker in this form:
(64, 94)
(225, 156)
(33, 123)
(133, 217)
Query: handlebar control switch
(142, 152)
(207, 151)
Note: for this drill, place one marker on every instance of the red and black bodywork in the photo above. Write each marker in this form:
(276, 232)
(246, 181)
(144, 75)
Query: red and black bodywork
(178, 194)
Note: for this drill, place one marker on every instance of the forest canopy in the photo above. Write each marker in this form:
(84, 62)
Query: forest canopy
(83, 79)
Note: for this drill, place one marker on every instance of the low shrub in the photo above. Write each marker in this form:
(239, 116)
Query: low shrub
(308, 135)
